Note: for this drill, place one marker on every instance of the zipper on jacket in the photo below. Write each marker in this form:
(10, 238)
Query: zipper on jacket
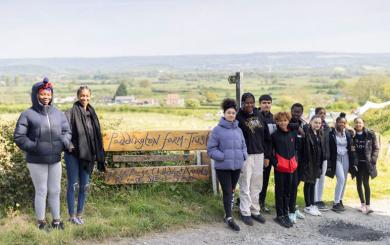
(51, 140)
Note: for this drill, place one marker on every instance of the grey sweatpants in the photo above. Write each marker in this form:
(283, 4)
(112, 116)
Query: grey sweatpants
(320, 183)
(342, 165)
(47, 183)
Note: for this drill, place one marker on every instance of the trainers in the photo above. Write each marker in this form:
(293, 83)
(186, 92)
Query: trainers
(247, 220)
(299, 214)
(292, 217)
(369, 210)
(363, 208)
(230, 222)
(42, 225)
(81, 220)
(337, 207)
(282, 221)
(288, 221)
(59, 225)
(321, 206)
(316, 210)
(75, 221)
(264, 208)
(310, 210)
(259, 218)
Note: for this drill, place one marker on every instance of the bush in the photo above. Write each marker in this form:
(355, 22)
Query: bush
(16, 187)
(192, 103)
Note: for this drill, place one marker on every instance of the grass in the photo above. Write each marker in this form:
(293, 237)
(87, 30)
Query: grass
(122, 212)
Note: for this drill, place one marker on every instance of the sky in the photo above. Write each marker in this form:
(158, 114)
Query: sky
(107, 28)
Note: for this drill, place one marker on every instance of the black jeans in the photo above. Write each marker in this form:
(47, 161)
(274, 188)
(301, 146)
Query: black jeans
(283, 192)
(263, 193)
(363, 178)
(228, 180)
(308, 190)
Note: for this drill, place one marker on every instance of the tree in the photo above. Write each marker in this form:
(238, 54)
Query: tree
(121, 90)
(192, 103)
(211, 97)
(145, 83)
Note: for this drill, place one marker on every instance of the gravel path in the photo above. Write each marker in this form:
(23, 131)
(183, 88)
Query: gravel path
(312, 230)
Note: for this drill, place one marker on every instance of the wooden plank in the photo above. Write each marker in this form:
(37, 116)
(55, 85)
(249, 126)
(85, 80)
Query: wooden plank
(153, 158)
(205, 159)
(156, 140)
(138, 175)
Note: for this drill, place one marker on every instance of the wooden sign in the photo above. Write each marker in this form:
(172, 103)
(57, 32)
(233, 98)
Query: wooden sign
(138, 175)
(154, 158)
(156, 140)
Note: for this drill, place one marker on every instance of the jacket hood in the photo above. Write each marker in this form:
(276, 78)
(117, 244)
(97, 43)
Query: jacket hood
(226, 124)
(36, 104)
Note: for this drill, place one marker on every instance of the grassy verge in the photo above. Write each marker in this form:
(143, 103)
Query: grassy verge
(122, 211)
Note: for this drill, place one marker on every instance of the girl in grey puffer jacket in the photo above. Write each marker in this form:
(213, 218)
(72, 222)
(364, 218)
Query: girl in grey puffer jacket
(227, 148)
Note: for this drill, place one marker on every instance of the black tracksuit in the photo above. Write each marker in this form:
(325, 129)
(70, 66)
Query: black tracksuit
(284, 158)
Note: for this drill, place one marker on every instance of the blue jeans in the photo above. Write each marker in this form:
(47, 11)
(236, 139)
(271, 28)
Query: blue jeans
(78, 180)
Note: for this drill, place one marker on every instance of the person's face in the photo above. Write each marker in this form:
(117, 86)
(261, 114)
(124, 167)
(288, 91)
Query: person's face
(265, 105)
(249, 104)
(44, 96)
(84, 97)
(359, 125)
(296, 113)
(341, 124)
(316, 123)
(322, 114)
(230, 114)
(283, 123)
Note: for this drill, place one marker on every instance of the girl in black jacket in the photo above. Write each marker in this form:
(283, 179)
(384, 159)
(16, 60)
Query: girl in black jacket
(312, 158)
(87, 148)
(366, 152)
(341, 159)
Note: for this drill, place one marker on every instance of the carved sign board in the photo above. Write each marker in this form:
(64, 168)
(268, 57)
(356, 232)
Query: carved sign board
(138, 175)
(153, 158)
(156, 140)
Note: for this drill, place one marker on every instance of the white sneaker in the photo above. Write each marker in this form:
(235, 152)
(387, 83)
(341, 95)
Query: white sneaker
(310, 210)
(363, 208)
(316, 210)
(299, 214)
(292, 217)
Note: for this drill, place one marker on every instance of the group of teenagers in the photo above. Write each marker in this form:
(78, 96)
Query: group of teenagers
(245, 145)
(249, 141)
(43, 133)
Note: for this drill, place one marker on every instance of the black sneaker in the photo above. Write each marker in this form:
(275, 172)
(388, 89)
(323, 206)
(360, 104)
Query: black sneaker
(259, 218)
(321, 206)
(59, 225)
(247, 220)
(288, 221)
(264, 209)
(337, 208)
(42, 225)
(230, 222)
(282, 221)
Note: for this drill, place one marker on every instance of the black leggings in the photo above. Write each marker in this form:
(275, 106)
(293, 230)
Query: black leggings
(308, 190)
(228, 180)
(294, 191)
(363, 178)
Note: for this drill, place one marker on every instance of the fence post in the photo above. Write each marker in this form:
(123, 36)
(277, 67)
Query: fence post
(198, 158)
(213, 177)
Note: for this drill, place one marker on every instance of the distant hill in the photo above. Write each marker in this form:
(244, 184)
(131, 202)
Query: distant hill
(281, 61)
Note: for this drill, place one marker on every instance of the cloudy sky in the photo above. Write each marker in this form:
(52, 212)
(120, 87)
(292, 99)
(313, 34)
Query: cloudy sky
(93, 28)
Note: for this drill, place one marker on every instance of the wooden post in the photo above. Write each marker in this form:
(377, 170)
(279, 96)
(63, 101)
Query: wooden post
(198, 158)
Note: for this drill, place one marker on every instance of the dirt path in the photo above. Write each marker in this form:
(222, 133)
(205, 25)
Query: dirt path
(330, 228)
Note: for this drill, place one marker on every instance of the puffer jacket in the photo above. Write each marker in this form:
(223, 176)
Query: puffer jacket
(226, 146)
(42, 131)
